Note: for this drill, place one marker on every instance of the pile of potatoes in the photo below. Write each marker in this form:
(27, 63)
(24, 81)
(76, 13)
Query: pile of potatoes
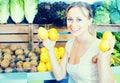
(14, 58)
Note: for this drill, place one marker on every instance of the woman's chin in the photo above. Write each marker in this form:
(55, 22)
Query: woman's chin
(75, 34)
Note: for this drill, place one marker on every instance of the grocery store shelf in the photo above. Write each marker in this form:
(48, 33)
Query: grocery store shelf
(116, 70)
(14, 76)
(28, 76)
(40, 76)
(25, 77)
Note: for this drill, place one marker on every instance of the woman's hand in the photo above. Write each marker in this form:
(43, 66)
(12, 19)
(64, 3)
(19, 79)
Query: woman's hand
(49, 44)
(103, 56)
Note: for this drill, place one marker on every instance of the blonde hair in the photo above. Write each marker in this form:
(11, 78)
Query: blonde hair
(81, 4)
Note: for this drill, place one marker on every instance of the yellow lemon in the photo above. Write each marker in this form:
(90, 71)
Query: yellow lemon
(107, 35)
(61, 51)
(44, 57)
(104, 45)
(56, 50)
(43, 50)
(48, 66)
(41, 67)
(42, 33)
(53, 34)
(58, 56)
(58, 60)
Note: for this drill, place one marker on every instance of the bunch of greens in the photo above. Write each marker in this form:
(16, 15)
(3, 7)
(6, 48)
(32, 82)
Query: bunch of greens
(17, 10)
(31, 9)
(107, 13)
(4, 11)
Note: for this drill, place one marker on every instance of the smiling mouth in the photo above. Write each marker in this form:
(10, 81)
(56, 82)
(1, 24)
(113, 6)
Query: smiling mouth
(75, 30)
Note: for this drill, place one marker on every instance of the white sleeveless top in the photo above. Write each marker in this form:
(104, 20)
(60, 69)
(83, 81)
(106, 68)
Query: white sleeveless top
(85, 71)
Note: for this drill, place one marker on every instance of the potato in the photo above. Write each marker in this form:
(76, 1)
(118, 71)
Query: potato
(33, 69)
(33, 63)
(6, 50)
(8, 70)
(21, 57)
(19, 52)
(19, 64)
(7, 56)
(13, 47)
(5, 63)
(26, 65)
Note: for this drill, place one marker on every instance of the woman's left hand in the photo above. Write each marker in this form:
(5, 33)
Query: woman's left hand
(105, 55)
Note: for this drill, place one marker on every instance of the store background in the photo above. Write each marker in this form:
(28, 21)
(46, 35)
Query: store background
(48, 14)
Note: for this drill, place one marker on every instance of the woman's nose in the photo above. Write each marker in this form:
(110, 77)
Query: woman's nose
(74, 23)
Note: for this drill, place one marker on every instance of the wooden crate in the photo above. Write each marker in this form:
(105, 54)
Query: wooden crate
(64, 35)
(20, 34)
(26, 36)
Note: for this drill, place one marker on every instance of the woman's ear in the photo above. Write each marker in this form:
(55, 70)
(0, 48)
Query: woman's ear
(90, 21)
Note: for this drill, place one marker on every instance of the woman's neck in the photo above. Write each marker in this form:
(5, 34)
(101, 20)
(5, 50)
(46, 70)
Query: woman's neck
(84, 39)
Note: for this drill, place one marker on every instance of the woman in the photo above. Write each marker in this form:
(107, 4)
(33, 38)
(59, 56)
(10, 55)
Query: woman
(83, 61)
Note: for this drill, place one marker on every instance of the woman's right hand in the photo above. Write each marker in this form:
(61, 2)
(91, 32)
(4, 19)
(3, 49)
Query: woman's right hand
(49, 44)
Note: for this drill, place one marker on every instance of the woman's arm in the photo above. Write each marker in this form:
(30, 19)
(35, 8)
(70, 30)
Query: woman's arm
(103, 62)
(104, 70)
(59, 70)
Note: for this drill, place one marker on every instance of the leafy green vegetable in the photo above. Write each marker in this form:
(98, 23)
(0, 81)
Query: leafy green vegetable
(118, 4)
(115, 17)
(111, 5)
(101, 16)
(117, 36)
(115, 60)
(31, 9)
(99, 35)
(17, 10)
(4, 11)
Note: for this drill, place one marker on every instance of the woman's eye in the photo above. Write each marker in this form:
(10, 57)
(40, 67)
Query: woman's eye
(69, 19)
(78, 20)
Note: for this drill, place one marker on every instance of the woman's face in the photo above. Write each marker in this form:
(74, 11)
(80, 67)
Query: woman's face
(78, 21)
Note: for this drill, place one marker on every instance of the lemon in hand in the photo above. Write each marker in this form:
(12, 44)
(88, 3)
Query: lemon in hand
(61, 51)
(42, 33)
(53, 34)
(107, 35)
(104, 45)
(43, 50)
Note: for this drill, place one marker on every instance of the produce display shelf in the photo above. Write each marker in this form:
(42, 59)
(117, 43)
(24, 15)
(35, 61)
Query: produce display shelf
(25, 77)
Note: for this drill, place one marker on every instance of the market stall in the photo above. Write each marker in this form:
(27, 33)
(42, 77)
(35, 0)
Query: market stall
(20, 31)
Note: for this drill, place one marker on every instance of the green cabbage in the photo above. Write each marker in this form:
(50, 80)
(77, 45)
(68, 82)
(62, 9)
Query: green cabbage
(31, 9)
(118, 4)
(101, 16)
(115, 17)
(4, 11)
(17, 10)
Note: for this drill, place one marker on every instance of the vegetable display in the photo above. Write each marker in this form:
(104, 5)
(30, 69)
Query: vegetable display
(4, 11)
(107, 13)
(17, 10)
(30, 7)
